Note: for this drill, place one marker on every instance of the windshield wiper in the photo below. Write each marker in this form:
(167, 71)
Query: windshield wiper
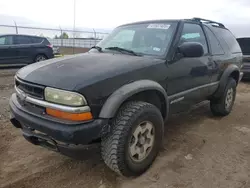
(97, 47)
(122, 50)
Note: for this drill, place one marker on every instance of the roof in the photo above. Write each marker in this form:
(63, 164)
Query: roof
(150, 21)
(21, 35)
(243, 38)
(200, 20)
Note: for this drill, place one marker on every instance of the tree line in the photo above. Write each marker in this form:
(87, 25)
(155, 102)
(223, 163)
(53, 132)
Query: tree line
(64, 35)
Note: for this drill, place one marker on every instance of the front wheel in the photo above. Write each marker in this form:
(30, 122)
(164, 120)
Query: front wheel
(223, 105)
(135, 139)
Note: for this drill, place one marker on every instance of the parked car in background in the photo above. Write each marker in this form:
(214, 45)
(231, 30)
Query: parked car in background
(24, 49)
(245, 47)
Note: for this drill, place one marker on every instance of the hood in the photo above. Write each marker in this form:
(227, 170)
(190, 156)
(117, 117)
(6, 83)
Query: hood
(82, 69)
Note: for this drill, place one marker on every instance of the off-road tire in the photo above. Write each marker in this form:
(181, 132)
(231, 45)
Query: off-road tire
(115, 152)
(218, 105)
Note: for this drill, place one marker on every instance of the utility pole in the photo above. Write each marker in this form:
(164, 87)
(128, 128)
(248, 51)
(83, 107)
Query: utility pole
(74, 26)
(16, 27)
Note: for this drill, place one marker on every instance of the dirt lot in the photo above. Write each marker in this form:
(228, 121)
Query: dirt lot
(201, 151)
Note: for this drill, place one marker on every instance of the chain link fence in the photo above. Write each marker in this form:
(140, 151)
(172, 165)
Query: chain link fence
(65, 41)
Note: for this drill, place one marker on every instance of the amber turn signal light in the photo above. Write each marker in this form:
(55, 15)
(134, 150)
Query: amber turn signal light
(69, 116)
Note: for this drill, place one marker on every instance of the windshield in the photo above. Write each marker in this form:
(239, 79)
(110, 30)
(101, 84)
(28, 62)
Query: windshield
(144, 39)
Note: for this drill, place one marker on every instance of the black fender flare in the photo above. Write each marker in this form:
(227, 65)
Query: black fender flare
(224, 78)
(114, 101)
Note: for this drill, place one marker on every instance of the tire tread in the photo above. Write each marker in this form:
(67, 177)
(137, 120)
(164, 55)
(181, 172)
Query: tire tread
(217, 105)
(113, 142)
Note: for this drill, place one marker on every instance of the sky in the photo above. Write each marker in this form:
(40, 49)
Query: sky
(108, 14)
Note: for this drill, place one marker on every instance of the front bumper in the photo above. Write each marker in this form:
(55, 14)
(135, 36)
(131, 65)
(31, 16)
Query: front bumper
(69, 139)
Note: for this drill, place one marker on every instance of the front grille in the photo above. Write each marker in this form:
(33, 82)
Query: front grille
(30, 89)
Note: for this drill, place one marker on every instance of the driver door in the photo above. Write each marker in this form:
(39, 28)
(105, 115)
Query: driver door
(189, 77)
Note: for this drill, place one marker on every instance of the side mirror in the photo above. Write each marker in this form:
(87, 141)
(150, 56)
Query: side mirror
(191, 49)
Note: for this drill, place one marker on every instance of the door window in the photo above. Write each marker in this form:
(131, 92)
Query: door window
(22, 40)
(194, 33)
(6, 40)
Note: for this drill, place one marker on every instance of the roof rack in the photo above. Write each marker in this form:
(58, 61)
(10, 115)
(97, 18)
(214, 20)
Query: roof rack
(208, 21)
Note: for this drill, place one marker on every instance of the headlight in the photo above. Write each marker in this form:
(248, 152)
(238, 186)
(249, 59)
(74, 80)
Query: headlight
(64, 97)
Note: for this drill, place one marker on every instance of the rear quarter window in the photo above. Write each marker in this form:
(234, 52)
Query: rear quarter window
(37, 40)
(227, 39)
(215, 46)
(45, 41)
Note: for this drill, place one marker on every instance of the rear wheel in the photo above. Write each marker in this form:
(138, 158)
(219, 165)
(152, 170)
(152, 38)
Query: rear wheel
(223, 106)
(135, 139)
(40, 57)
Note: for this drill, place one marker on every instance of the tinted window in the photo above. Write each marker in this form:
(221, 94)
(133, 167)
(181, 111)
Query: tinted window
(228, 38)
(45, 41)
(245, 45)
(194, 33)
(37, 40)
(6, 40)
(216, 48)
(22, 40)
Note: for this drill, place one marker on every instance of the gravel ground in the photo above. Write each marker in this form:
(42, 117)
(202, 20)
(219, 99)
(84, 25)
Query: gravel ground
(200, 151)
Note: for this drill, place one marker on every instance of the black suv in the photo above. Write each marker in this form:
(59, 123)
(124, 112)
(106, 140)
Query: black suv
(121, 92)
(23, 49)
(245, 47)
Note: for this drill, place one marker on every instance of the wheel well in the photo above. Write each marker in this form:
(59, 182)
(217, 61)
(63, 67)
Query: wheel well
(235, 75)
(150, 96)
(41, 54)
(223, 82)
